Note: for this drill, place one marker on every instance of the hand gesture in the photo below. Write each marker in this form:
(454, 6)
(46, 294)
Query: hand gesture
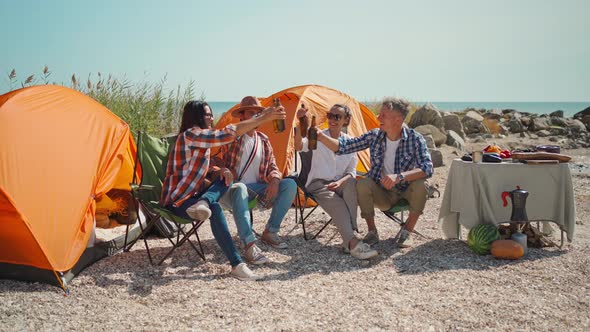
(301, 112)
(333, 186)
(227, 176)
(388, 181)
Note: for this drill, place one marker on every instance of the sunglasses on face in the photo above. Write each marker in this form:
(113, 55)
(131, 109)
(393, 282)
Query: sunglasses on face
(332, 116)
(208, 115)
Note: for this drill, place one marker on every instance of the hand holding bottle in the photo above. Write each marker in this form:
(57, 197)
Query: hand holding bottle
(303, 120)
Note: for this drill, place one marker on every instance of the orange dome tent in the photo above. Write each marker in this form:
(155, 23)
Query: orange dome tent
(318, 99)
(59, 149)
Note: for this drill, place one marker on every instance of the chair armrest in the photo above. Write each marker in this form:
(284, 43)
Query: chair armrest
(136, 187)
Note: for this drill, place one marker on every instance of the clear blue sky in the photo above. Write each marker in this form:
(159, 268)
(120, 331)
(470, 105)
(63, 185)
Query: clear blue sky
(462, 50)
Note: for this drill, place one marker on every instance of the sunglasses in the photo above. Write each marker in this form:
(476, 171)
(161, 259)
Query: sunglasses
(332, 116)
(208, 115)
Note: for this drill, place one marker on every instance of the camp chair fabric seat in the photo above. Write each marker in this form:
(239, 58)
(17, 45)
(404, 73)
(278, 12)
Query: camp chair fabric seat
(399, 208)
(303, 197)
(152, 156)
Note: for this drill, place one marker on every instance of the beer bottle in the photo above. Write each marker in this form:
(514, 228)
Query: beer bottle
(303, 124)
(279, 124)
(312, 135)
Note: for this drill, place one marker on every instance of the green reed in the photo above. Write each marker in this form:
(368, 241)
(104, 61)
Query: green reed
(150, 107)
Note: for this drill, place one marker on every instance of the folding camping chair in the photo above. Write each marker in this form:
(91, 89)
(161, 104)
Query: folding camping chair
(152, 155)
(401, 206)
(303, 196)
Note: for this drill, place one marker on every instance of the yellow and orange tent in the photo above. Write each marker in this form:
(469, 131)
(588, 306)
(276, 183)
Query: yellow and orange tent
(59, 150)
(318, 99)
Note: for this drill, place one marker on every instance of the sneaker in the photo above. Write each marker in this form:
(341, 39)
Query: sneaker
(363, 251)
(243, 272)
(273, 240)
(371, 238)
(199, 211)
(405, 239)
(345, 247)
(255, 255)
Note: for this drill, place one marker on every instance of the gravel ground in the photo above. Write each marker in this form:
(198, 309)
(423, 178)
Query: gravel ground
(437, 285)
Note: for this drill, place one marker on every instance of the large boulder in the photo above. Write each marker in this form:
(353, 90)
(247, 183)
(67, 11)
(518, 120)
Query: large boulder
(540, 123)
(439, 137)
(453, 122)
(583, 113)
(576, 126)
(495, 114)
(558, 113)
(427, 115)
(454, 139)
(472, 123)
(437, 157)
(429, 141)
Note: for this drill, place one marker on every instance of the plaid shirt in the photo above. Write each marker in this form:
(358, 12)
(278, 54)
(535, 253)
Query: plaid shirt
(232, 154)
(411, 153)
(189, 162)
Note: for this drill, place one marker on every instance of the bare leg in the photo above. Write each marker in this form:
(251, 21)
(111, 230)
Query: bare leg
(412, 220)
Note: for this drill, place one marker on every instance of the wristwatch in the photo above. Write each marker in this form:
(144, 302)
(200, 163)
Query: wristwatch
(400, 178)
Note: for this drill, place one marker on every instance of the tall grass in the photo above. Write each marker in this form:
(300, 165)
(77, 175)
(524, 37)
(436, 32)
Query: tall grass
(150, 107)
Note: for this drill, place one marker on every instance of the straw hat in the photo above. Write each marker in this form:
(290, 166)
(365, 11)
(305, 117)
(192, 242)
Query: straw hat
(247, 103)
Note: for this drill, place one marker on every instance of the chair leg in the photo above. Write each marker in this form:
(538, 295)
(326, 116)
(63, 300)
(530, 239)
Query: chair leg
(144, 231)
(185, 238)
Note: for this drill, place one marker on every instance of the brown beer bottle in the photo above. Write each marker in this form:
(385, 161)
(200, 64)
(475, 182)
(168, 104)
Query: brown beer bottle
(303, 124)
(312, 135)
(279, 124)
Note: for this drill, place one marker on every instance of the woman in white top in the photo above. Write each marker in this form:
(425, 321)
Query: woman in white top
(332, 181)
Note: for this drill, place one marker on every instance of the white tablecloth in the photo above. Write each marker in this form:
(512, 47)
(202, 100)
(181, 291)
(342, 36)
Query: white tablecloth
(473, 194)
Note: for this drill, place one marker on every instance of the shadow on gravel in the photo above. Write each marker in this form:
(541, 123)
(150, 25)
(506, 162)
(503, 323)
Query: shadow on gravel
(442, 255)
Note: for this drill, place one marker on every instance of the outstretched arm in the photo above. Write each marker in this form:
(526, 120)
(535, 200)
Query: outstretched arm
(269, 114)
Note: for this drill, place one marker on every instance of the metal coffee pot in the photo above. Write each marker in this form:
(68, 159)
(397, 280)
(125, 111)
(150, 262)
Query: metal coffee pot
(518, 198)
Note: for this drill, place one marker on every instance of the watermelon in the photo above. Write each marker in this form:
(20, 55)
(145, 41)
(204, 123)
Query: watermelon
(480, 238)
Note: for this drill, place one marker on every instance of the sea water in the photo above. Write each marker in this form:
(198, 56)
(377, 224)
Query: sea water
(568, 108)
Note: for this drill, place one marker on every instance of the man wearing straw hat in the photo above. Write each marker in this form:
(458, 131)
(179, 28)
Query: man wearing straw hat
(250, 157)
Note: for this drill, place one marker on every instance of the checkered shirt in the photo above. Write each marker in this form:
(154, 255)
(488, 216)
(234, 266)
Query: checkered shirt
(233, 153)
(411, 153)
(189, 162)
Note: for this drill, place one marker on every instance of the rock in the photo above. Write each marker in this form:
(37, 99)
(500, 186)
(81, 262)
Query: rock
(515, 126)
(472, 123)
(452, 122)
(437, 157)
(576, 125)
(543, 133)
(558, 114)
(539, 123)
(454, 139)
(553, 139)
(493, 114)
(439, 137)
(555, 130)
(557, 121)
(508, 110)
(586, 120)
(427, 115)
(522, 135)
(582, 113)
(525, 120)
(429, 141)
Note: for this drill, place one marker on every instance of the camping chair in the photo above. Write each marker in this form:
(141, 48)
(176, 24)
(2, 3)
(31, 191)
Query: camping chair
(401, 206)
(152, 155)
(303, 196)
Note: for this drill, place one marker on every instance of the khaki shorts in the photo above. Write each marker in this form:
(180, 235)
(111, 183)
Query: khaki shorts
(372, 195)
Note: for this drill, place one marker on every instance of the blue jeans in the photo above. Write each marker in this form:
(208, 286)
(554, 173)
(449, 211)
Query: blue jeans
(281, 203)
(238, 198)
(217, 221)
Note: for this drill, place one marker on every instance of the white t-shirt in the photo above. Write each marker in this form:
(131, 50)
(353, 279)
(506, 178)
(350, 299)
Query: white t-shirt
(327, 165)
(251, 174)
(389, 161)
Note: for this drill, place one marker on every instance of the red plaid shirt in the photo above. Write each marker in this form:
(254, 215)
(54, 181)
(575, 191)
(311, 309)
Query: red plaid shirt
(189, 162)
(232, 154)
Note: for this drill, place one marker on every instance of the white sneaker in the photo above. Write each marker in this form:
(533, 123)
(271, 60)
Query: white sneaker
(363, 251)
(405, 239)
(199, 211)
(243, 272)
(255, 255)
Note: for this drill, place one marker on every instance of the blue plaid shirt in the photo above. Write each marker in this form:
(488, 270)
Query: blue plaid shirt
(411, 153)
